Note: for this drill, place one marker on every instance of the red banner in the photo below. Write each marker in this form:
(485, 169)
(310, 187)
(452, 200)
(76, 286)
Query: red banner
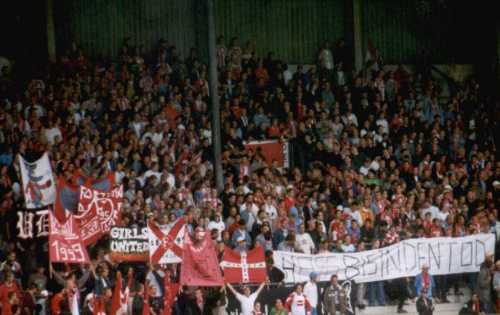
(273, 150)
(65, 243)
(98, 212)
(246, 267)
(200, 266)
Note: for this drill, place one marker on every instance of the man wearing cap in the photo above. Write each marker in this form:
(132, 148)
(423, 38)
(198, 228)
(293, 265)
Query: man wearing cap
(424, 280)
(311, 292)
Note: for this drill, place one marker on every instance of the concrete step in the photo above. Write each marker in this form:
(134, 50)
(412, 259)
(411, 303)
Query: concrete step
(441, 309)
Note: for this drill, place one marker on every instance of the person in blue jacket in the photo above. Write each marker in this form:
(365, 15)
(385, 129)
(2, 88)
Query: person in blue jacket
(424, 280)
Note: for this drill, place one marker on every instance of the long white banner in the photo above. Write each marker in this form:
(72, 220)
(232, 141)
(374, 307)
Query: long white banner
(444, 255)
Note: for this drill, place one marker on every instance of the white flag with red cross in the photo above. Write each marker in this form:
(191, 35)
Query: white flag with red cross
(165, 242)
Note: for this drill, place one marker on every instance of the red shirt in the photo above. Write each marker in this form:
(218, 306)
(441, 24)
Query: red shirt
(5, 289)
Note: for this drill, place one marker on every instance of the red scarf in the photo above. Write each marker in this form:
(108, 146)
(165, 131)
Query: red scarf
(426, 279)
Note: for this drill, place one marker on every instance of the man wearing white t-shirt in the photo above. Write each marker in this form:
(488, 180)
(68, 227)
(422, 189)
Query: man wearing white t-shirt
(247, 300)
(217, 224)
(311, 292)
(303, 241)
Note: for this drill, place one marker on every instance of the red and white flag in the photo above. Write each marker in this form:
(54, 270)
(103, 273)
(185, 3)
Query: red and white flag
(65, 243)
(98, 212)
(200, 266)
(245, 267)
(120, 301)
(39, 186)
(165, 243)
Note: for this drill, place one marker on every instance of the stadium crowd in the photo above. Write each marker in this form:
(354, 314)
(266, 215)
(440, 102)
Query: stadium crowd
(376, 157)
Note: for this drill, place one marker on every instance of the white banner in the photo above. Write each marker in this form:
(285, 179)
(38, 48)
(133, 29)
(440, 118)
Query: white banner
(38, 182)
(444, 255)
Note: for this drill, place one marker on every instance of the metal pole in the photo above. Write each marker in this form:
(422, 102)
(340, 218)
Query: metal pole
(214, 96)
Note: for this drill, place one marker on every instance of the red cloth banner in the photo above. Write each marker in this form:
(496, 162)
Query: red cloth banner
(98, 212)
(245, 267)
(200, 266)
(68, 193)
(273, 150)
(65, 243)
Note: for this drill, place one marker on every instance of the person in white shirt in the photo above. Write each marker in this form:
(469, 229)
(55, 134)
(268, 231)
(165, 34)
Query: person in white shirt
(217, 224)
(247, 299)
(311, 292)
(303, 241)
(297, 303)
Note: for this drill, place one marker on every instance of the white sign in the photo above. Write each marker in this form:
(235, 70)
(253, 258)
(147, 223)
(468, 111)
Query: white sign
(444, 255)
(38, 182)
(165, 242)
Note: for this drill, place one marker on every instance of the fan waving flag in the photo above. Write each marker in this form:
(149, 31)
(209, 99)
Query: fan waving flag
(65, 243)
(165, 243)
(199, 262)
(98, 212)
(245, 267)
(38, 182)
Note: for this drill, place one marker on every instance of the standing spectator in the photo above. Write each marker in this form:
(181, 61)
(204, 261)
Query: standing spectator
(247, 299)
(424, 280)
(311, 292)
(297, 303)
(496, 286)
(334, 297)
(474, 307)
(484, 282)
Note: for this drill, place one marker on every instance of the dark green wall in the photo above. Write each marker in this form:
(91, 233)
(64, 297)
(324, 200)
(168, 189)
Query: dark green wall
(402, 30)
(100, 26)
(293, 29)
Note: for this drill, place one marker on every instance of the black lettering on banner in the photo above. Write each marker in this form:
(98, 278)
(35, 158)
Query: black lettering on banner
(371, 262)
(352, 264)
(288, 268)
(465, 250)
(421, 256)
(480, 255)
(450, 244)
(409, 249)
(432, 254)
(391, 264)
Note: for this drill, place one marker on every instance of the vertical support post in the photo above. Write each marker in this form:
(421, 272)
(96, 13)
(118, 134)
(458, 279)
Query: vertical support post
(357, 34)
(51, 31)
(214, 96)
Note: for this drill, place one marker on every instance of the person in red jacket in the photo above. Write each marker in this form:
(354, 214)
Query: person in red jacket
(11, 307)
(297, 303)
(9, 286)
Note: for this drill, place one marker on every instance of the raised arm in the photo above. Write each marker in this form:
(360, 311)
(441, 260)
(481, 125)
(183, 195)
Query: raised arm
(232, 289)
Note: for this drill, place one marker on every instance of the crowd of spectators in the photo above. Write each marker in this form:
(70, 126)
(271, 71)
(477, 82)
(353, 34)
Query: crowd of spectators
(376, 157)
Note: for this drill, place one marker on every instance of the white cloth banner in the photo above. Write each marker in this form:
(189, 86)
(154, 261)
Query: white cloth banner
(444, 255)
(38, 182)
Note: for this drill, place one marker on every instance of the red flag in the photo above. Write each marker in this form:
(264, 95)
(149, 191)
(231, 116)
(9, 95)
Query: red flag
(145, 305)
(165, 245)
(200, 266)
(117, 295)
(65, 243)
(171, 290)
(98, 306)
(246, 267)
(98, 212)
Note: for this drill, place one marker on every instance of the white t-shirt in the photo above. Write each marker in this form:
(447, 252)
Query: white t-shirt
(154, 283)
(311, 292)
(219, 226)
(304, 243)
(246, 302)
(51, 134)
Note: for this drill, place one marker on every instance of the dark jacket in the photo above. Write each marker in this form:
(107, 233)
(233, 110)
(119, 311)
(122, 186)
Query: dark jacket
(424, 308)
